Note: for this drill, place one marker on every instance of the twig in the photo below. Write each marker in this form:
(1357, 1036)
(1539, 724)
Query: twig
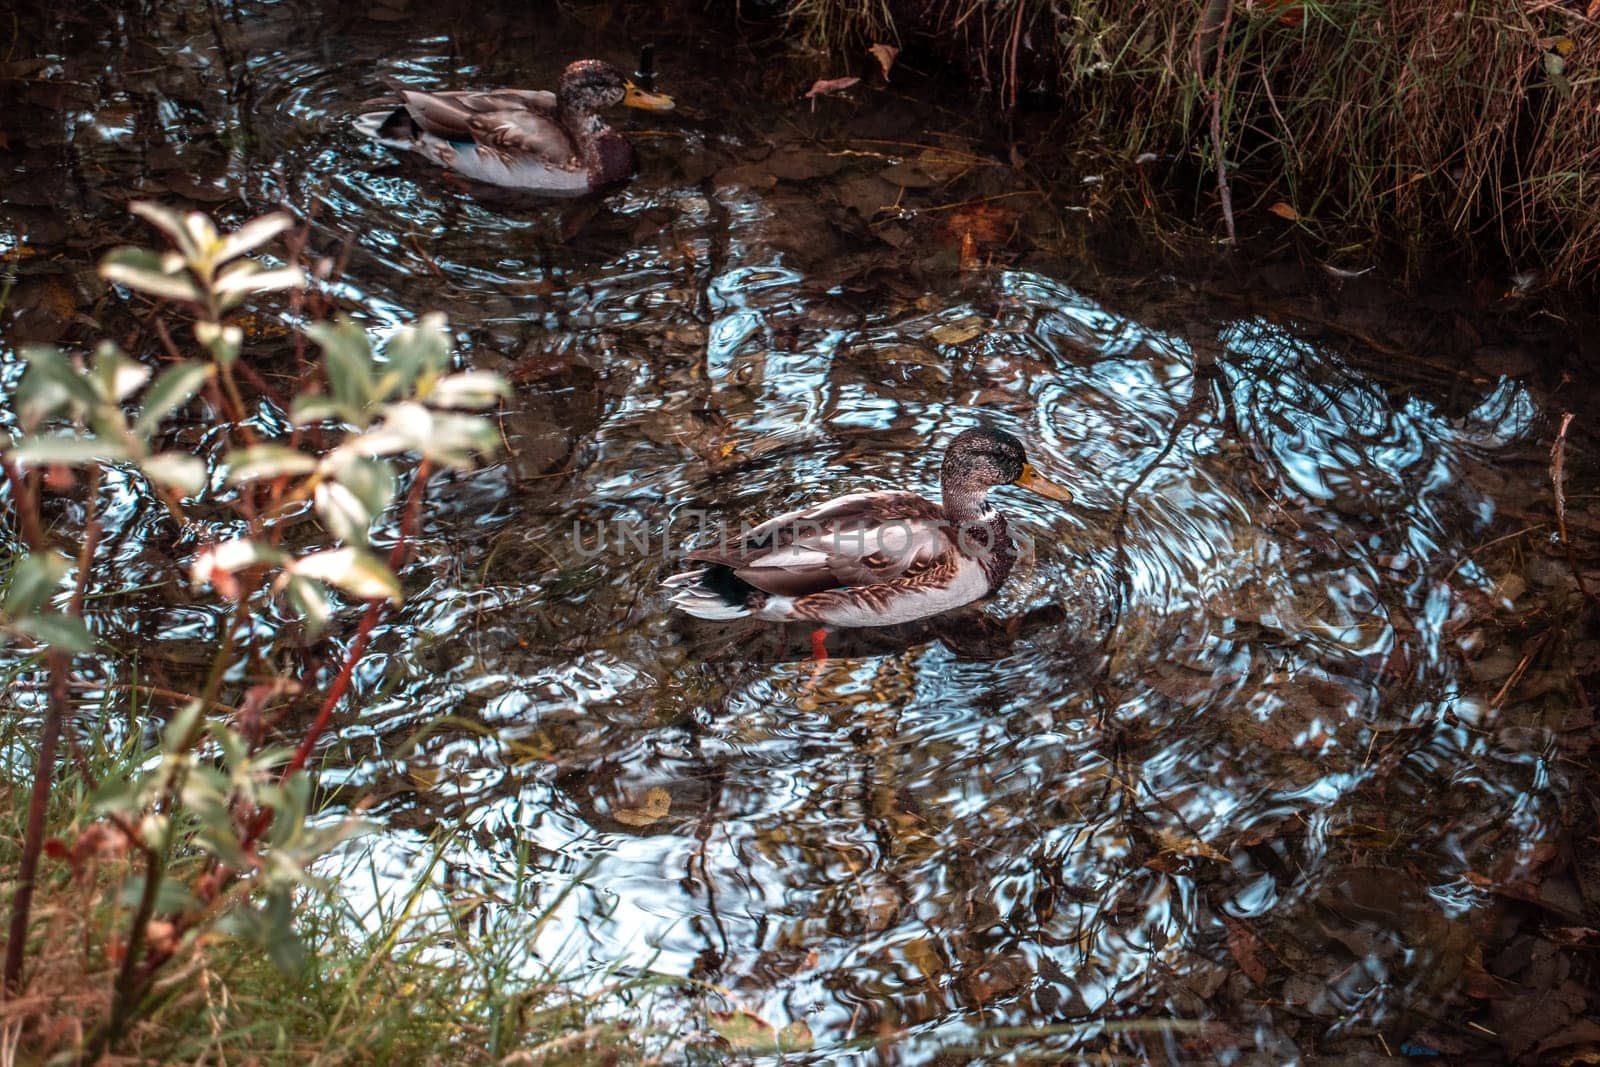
(1503, 537)
(91, 540)
(1522, 667)
(1558, 478)
(1223, 190)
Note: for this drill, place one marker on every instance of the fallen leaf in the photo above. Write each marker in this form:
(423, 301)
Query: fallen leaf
(958, 332)
(657, 802)
(1341, 272)
(1243, 946)
(824, 86)
(748, 1032)
(969, 252)
(884, 54)
(1285, 211)
(1180, 844)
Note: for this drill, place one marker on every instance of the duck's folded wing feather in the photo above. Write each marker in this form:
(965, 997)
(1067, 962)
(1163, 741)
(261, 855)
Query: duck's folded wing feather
(510, 121)
(523, 133)
(861, 539)
(441, 114)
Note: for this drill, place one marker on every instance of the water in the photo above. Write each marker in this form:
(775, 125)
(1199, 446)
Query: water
(1242, 707)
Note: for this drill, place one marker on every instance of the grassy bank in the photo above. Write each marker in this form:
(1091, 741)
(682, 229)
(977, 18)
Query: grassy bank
(1467, 126)
(412, 978)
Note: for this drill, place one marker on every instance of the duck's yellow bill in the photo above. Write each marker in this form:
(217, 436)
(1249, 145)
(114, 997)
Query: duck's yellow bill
(1033, 481)
(646, 101)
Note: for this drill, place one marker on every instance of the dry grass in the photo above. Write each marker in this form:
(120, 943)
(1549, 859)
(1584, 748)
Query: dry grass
(1464, 124)
(412, 982)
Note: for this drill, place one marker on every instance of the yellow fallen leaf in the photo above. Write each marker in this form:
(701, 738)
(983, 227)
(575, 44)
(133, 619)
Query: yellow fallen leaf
(884, 54)
(1285, 211)
(1174, 843)
(657, 802)
(958, 332)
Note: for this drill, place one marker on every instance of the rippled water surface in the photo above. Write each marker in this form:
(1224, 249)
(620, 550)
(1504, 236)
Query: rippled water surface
(1242, 705)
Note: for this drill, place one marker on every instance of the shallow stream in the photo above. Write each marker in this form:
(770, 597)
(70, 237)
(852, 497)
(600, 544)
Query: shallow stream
(1243, 738)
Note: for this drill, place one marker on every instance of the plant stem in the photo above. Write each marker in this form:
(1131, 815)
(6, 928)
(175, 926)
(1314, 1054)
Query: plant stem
(33, 839)
(369, 619)
(26, 506)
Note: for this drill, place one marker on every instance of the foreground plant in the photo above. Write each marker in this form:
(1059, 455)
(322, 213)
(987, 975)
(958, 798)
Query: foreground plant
(218, 822)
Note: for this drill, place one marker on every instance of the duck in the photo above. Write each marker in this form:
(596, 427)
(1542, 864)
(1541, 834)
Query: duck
(875, 558)
(555, 143)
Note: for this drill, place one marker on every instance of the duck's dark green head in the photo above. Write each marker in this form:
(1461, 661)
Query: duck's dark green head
(592, 85)
(980, 459)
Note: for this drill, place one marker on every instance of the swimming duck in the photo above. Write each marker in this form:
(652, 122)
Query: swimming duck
(872, 559)
(531, 139)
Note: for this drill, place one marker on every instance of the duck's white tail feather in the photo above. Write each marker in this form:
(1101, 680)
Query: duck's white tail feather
(699, 600)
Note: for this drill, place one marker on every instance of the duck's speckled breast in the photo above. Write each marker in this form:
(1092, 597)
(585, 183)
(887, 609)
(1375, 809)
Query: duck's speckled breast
(612, 159)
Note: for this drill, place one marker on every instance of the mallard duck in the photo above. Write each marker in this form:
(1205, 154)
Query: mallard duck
(871, 559)
(521, 138)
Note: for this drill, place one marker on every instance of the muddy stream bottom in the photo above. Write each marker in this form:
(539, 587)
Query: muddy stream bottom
(1273, 748)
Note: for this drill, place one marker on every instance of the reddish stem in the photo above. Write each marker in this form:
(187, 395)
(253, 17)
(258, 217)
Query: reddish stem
(369, 619)
(26, 506)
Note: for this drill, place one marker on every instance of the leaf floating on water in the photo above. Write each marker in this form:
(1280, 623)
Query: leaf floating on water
(827, 86)
(958, 332)
(748, 1032)
(657, 802)
(885, 55)
(1340, 272)
(1175, 843)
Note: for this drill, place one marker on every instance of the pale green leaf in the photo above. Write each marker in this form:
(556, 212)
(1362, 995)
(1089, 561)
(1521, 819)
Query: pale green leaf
(51, 383)
(203, 232)
(148, 272)
(248, 276)
(310, 601)
(182, 727)
(415, 351)
(61, 632)
(168, 222)
(67, 450)
(350, 570)
(342, 512)
(176, 470)
(173, 388)
(34, 580)
(347, 357)
(267, 461)
(231, 556)
(252, 235)
(221, 341)
(371, 480)
(470, 390)
(304, 410)
(116, 376)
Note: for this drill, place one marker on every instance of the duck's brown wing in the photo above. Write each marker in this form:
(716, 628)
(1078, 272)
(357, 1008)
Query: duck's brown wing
(860, 539)
(509, 121)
